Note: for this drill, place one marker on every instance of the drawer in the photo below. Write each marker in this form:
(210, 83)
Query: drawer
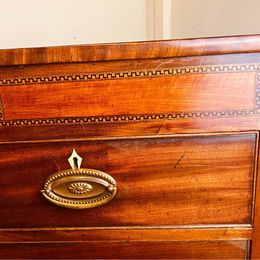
(83, 94)
(150, 250)
(162, 180)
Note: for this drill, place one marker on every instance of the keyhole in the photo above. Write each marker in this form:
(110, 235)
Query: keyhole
(75, 161)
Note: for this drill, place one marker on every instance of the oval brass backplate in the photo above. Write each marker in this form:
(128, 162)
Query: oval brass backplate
(79, 188)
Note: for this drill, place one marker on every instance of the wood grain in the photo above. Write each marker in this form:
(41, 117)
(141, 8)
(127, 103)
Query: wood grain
(134, 50)
(180, 127)
(70, 68)
(160, 95)
(144, 250)
(174, 181)
(197, 90)
(127, 234)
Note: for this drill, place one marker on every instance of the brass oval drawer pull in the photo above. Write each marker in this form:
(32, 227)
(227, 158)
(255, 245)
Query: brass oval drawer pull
(79, 188)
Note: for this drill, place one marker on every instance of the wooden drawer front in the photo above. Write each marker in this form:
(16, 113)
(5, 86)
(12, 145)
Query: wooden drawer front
(153, 92)
(161, 181)
(133, 96)
(150, 250)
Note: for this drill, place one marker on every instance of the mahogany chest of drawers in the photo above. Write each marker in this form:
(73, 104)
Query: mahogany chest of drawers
(131, 150)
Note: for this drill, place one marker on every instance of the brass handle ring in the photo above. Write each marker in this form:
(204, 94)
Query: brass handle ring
(79, 188)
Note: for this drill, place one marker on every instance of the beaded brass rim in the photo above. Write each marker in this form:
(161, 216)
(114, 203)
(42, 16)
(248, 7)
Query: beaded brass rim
(79, 188)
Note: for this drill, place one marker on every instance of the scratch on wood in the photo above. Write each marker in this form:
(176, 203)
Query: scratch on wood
(178, 162)
(84, 129)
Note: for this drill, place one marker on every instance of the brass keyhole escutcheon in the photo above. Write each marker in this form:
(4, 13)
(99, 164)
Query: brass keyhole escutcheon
(79, 188)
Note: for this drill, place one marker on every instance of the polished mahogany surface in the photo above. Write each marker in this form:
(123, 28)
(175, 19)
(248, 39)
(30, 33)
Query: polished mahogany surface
(155, 95)
(144, 250)
(132, 50)
(169, 179)
(176, 123)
